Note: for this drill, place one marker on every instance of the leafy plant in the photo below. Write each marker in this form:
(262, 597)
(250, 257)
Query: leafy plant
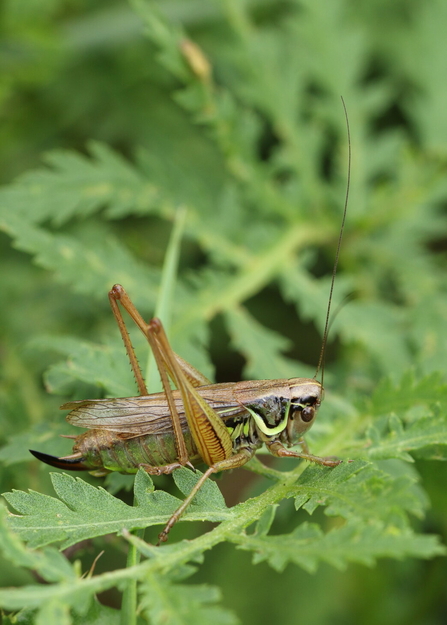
(245, 130)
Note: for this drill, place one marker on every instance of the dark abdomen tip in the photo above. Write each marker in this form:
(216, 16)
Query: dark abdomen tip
(70, 464)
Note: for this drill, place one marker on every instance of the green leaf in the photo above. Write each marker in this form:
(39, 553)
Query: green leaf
(261, 348)
(309, 295)
(307, 546)
(419, 425)
(393, 440)
(167, 36)
(208, 495)
(43, 436)
(378, 326)
(164, 602)
(97, 614)
(114, 482)
(54, 612)
(24, 617)
(358, 490)
(49, 563)
(91, 262)
(390, 397)
(265, 521)
(74, 184)
(54, 598)
(83, 511)
(105, 366)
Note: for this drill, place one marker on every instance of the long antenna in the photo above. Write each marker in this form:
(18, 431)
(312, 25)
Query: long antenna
(337, 254)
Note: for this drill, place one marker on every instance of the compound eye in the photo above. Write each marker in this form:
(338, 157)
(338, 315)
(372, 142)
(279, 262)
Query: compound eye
(307, 413)
(305, 409)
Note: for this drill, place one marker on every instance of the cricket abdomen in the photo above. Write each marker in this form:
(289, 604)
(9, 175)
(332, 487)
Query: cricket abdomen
(103, 449)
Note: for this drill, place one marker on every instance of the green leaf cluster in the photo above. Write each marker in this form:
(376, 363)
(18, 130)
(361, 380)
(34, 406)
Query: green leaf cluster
(121, 117)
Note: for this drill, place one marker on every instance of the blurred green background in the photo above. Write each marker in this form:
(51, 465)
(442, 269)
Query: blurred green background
(255, 147)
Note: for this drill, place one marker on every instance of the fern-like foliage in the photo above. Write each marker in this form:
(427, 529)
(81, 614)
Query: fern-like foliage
(231, 113)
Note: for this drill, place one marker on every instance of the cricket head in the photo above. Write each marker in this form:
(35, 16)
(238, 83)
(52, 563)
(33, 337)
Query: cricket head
(305, 399)
(282, 408)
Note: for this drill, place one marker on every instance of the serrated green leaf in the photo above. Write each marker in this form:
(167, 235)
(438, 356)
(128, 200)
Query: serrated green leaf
(115, 482)
(192, 344)
(387, 441)
(24, 617)
(43, 436)
(309, 295)
(179, 604)
(91, 265)
(83, 511)
(103, 365)
(74, 184)
(265, 521)
(166, 35)
(307, 546)
(143, 486)
(378, 326)
(209, 493)
(49, 563)
(358, 490)
(52, 613)
(390, 397)
(261, 348)
(76, 595)
(97, 614)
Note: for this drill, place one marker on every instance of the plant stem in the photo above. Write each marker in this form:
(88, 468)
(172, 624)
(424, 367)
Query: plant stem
(165, 297)
(129, 603)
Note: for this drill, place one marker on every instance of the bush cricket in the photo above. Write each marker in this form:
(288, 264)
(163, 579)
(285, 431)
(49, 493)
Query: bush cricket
(221, 425)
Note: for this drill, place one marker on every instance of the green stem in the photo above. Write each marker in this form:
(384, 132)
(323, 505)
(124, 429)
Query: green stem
(129, 603)
(163, 308)
(165, 297)
(258, 467)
